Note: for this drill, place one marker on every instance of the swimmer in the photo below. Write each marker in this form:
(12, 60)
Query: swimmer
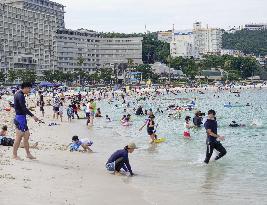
(108, 118)
(150, 123)
(98, 113)
(234, 124)
(187, 127)
(123, 118)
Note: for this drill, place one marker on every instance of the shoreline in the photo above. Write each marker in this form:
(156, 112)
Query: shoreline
(62, 177)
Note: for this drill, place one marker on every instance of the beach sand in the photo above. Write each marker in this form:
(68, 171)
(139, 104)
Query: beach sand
(59, 176)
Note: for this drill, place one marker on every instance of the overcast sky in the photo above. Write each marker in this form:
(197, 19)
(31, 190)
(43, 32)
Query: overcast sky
(132, 15)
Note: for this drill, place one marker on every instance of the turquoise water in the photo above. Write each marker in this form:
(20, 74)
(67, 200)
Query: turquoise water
(173, 172)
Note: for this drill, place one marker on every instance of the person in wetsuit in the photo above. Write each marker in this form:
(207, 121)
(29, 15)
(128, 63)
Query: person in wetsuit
(213, 139)
(20, 121)
(120, 160)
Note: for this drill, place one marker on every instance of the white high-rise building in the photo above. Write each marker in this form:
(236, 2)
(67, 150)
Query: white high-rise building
(43, 6)
(182, 44)
(27, 40)
(96, 52)
(207, 40)
(197, 42)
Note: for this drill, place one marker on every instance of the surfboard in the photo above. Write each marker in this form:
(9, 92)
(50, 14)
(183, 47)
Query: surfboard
(160, 140)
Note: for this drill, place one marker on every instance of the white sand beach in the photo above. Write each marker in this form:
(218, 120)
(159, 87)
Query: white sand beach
(59, 176)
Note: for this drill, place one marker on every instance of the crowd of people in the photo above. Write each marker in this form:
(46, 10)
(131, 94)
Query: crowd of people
(84, 106)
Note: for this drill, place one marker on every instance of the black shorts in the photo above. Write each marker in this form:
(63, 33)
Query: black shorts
(150, 131)
(42, 109)
(56, 109)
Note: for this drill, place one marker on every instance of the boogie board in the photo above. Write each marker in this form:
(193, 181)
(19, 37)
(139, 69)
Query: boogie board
(160, 140)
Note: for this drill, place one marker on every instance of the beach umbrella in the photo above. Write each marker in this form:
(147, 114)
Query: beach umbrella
(46, 84)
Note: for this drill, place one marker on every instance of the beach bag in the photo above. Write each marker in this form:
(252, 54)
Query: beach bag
(7, 141)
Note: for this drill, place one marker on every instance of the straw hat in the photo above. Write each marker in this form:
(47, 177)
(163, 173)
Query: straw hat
(132, 146)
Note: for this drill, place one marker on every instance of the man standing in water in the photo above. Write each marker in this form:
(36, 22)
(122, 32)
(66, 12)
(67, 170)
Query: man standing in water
(213, 139)
(22, 130)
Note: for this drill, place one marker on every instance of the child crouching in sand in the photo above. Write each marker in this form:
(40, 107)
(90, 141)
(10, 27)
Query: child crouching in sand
(84, 143)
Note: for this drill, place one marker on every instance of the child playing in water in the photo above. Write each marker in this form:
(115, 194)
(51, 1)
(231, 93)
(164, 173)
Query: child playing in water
(150, 123)
(98, 113)
(84, 143)
(108, 118)
(187, 126)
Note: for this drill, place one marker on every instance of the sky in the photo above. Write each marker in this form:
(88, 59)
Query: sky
(131, 16)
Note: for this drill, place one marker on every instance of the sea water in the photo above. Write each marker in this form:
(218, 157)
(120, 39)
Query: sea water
(173, 172)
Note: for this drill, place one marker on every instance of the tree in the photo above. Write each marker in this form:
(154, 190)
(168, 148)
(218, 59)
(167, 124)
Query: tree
(28, 75)
(154, 50)
(80, 75)
(147, 72)
(12, 75)
(68, 77)
(249, 42)
(59, 76)
(95, 76)
(48, 75)
(80, 61)
(106, 74)
(187, 65)
(2, 76)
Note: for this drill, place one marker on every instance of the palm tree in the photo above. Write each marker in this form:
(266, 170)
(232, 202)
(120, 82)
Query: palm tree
(80, 72)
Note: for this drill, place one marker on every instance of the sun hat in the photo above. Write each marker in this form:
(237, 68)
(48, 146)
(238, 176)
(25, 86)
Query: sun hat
(132, 146)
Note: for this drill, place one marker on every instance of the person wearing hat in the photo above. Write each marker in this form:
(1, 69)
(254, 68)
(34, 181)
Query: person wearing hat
(187, 127)
(150, 123)
(120, 160)
(197, 120)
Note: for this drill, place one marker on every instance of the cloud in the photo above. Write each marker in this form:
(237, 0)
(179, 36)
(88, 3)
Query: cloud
(132, 15)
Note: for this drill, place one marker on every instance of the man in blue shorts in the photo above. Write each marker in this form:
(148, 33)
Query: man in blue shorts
(22, 130)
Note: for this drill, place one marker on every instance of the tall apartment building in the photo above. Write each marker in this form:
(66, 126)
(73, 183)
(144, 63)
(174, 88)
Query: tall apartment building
(32, 36)
(27, 39)
(95, 52)
(206, 40)
(43, 6)
(118, 50)
(197, 42)
(182, 44)
(73, 45)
